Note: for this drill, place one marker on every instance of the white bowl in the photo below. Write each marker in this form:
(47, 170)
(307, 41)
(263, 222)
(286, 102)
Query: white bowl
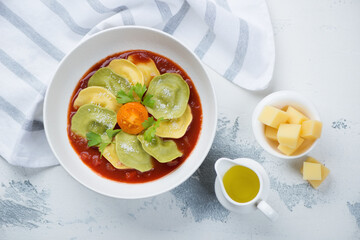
(78, 61)
(281, 99)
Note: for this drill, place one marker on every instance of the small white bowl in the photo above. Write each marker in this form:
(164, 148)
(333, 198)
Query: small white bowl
(281, 99)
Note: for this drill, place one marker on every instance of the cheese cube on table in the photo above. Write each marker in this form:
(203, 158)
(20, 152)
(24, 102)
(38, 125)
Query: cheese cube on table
(272, 116)
(295, 116)
(288, 151)
(324, 173)
(271, 133)
(311, 171)
(311, 129)
(288, 134)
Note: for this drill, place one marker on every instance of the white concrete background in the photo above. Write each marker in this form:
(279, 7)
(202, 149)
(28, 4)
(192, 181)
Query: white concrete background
(318, 55)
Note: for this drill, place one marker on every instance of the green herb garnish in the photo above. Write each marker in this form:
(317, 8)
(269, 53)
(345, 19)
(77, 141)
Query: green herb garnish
(123, 98)
(148, 122)
(103, 141)
(112, 132)
(93, 139)
(150, 125)
(148, 101)
(102, 147)
(139, 90)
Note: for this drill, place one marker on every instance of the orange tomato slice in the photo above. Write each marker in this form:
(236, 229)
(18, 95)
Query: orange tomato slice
(131, 116)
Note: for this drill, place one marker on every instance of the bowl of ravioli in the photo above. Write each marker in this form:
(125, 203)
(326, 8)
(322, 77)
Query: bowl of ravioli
(130, 113)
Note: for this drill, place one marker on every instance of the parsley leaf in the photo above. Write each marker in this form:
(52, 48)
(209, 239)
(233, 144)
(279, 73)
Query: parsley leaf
(93, 139)
(139, 90)
(159, 121)
(148, 122)
(148, 101)
(101, 141)
(112, 132)
(149, 134)
(123, 98)
(102, 147)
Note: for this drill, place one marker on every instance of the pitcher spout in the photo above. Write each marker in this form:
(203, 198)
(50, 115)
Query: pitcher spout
(222, 165)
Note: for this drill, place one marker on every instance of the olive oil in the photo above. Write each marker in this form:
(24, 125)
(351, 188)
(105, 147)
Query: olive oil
(241, 184)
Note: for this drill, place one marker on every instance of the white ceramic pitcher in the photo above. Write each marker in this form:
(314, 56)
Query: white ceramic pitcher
(222, 165)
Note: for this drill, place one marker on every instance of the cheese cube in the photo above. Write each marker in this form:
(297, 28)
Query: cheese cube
(324, 173)
(288, 134)
(295, 116)
(271, 133)
(311, 129)
(272, 116)
(311, 171)
(288, 151)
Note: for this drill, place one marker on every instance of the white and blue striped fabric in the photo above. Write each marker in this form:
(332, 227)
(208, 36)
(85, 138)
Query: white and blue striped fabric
(234, 37)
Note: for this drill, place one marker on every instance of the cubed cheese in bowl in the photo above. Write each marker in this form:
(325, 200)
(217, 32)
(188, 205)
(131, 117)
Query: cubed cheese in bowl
(287, 112)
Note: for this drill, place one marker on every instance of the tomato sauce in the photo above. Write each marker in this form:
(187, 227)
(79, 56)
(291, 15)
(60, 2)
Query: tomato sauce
(91, 155)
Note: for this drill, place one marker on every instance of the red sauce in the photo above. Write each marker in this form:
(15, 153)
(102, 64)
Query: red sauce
(91, 156)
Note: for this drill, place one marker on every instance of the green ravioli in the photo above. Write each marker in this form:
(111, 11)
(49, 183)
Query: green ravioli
(92, 118)
(130, 152)
(106, 78)
(171, 95)
(163, 151)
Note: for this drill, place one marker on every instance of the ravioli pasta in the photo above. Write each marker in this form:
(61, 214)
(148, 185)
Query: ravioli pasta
(106, 78)
(91, 118)
(171, 95)
(175, 128)
(163, 151)
(110, 154)
(146, 66)
(127, 70)
(130, 152)
(98, 96)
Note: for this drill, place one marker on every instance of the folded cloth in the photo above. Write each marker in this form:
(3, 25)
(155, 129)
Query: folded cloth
(233, 37)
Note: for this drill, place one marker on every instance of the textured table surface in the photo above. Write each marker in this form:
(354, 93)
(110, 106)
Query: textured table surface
(318, 55)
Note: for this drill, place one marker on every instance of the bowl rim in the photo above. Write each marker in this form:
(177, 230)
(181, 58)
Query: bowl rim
(187, 174)
(277, 98)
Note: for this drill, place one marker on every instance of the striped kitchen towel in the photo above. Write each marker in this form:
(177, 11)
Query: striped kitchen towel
(234, 37)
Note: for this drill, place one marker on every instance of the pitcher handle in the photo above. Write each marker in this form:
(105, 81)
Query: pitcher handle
(268, 210)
